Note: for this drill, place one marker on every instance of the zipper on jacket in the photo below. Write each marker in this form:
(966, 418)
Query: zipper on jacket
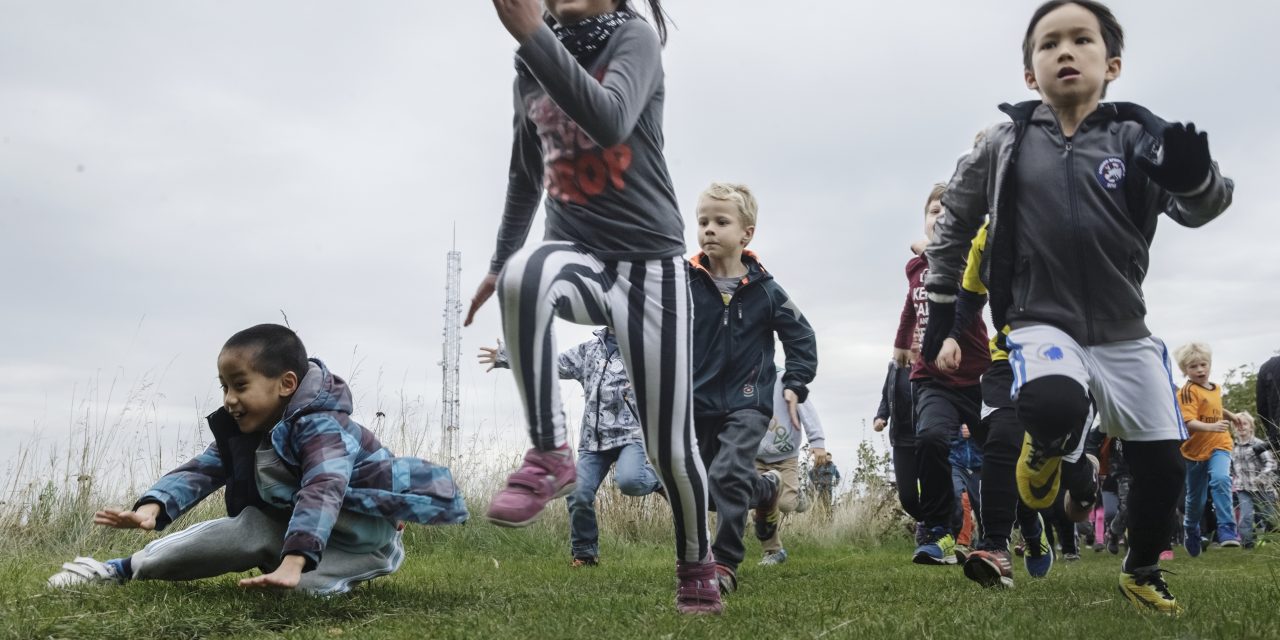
(599, 385)
(1075, 224)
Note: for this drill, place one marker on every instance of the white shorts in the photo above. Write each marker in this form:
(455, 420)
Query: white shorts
(1130, 382)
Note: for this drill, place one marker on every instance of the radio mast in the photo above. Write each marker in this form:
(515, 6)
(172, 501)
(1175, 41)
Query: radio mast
(449, 420)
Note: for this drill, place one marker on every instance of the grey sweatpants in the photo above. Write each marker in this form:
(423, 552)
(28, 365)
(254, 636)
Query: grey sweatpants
(254, 540)
(728, 447)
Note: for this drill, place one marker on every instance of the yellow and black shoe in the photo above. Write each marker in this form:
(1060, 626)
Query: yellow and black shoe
(1148, 591)
(1039, 473)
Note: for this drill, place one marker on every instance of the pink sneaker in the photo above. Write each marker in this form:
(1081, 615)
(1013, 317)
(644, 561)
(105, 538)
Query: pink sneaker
(1167, 554)
(699, 589)
(544, 476)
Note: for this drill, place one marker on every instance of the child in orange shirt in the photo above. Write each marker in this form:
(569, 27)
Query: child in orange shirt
(1208, 449)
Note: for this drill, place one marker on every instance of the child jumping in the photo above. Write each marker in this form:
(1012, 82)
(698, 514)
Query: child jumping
(313, 499)
(611, 435)
(1074, 188)
(738, 309)
(1208, 450)
(588, 126)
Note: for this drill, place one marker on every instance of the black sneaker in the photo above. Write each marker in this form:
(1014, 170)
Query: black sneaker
(727, 579)
(1080, 497)
(767, 513)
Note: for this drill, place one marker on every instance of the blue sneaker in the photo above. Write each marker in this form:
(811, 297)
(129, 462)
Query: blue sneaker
(1039, 553)
(938, 548)
(1192, 542)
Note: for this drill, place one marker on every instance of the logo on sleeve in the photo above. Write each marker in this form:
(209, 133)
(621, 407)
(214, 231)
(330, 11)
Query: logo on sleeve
(1111, 173)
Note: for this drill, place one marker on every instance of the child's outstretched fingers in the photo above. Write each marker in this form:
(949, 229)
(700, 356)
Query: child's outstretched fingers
(120, 519)
(278, 579)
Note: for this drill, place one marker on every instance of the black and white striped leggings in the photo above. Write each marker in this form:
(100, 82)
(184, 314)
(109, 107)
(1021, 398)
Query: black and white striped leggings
(648, 306)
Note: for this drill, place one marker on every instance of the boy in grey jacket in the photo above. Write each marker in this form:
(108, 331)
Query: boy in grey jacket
(1074, 188)
(611, 435)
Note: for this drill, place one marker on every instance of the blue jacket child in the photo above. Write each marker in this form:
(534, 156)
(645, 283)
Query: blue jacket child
(316, 485)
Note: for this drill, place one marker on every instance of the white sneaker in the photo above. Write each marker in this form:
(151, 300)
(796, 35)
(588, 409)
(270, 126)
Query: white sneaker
(83, 571)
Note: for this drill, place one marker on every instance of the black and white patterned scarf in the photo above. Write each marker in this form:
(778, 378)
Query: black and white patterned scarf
(585, 39)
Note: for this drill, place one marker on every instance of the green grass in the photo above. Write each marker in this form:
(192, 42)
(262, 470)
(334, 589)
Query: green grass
(480, 581)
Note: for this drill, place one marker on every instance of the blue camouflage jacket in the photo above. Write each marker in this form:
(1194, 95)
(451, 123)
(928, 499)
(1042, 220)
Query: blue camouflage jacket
(339, 466)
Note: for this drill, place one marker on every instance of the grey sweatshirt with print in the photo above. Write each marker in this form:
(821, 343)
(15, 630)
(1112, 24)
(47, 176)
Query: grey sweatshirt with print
(593, 139)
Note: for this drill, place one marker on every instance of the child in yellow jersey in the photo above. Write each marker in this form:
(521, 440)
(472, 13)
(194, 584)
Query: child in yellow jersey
(1208, 450)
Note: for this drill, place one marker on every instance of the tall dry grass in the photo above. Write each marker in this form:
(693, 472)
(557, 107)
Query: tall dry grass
(116, 445)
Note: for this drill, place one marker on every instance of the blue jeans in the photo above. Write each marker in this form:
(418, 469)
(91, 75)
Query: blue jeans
(1214, 477)
(634, 477)
(1255, 511)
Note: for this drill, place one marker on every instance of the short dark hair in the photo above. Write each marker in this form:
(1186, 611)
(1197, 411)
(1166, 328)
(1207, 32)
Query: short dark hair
(275, 348)
(1112, 33)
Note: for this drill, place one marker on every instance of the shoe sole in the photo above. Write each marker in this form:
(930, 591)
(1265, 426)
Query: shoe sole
(564, 491)
(926, 559)
(700, 609)
(986, 574)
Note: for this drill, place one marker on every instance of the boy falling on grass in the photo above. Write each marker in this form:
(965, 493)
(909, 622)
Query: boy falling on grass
(1208, 450)
(1074, 188)
(738, 307)
(313, 499)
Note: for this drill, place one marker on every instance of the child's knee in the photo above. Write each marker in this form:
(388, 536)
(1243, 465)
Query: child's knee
(1052, 407)
(635, 484)
(934, 440)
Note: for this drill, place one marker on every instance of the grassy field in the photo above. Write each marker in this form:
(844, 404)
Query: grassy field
(478, 581)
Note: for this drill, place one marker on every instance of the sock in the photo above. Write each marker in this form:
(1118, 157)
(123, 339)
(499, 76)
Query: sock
(123, 567)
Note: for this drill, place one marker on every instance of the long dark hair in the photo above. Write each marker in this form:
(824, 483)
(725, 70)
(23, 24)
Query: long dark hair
(657, 15)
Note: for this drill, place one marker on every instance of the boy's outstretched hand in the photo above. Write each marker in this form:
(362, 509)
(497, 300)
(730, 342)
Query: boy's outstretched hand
(286, 576)
(143, 518)
(1184, 163)
(492, 356)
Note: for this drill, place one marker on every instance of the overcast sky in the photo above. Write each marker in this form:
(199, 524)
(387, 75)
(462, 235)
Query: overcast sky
(172, 172)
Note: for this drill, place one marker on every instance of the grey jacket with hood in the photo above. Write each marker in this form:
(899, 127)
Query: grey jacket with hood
(1071, 219)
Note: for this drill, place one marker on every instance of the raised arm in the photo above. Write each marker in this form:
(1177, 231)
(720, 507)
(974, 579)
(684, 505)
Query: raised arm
(524, 187)
(1181, 179)
(606, 109)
